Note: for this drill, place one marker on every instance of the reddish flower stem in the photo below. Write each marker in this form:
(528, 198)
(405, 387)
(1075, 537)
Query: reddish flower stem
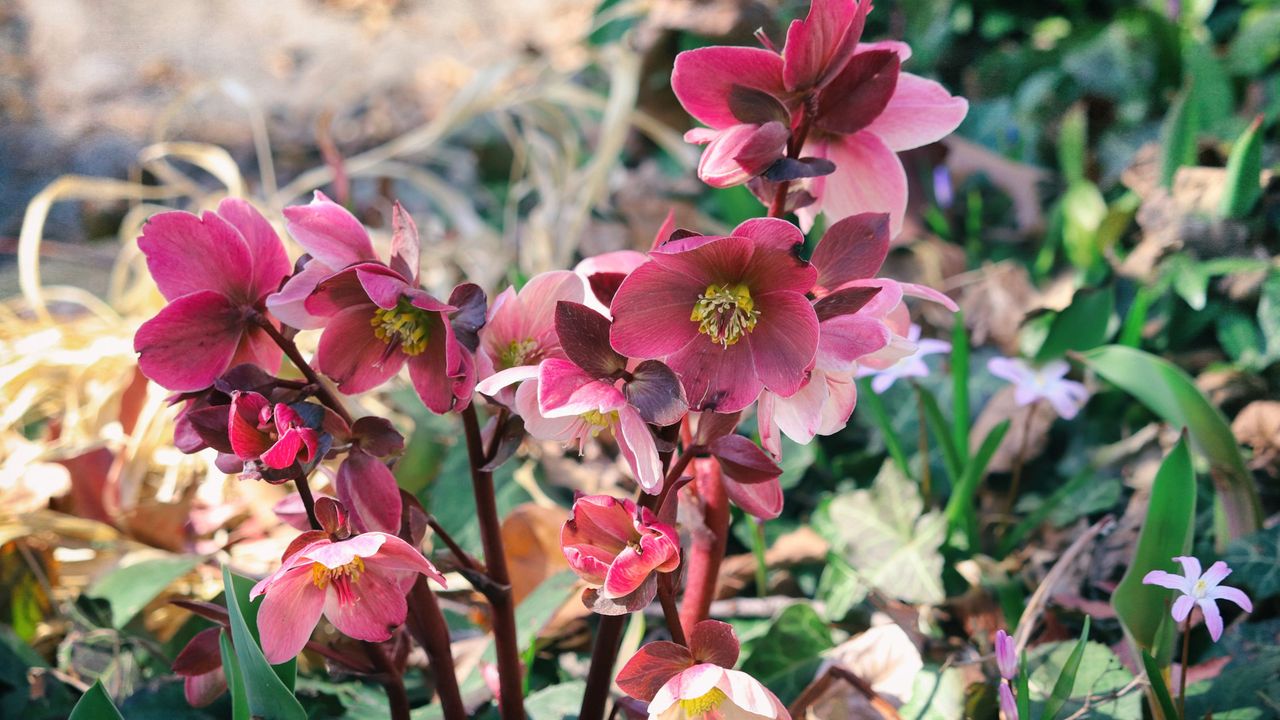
(291, 351)
(308, 500)
(511, 686)
(392, 683)
(670, 613)
(604, 655)
(794, 147)
(1182, 679)
(707, 546)
(427, 625)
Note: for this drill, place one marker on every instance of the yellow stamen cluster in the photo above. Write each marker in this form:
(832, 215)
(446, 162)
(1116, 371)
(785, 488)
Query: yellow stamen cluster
(322, 575)
(704, 704)
(599, 421)
(1199, 589)
(403, 324)
(726, 313)
(519, 352)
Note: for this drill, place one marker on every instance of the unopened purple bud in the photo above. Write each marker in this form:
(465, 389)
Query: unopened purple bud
(1008, 707)
(1006, 657)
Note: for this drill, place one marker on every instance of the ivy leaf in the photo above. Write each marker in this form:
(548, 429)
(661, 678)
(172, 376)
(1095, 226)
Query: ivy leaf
(1253, 561)
(786, 657)
(885, 534)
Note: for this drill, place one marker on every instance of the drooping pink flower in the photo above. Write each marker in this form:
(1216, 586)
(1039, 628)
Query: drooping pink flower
(1047, 382)
(377, 318)
(1006, 655)
(274, 434)
(200, 665)
(913, 365)
(849, 99)
(698, 682)
(359, 584)
(618, 547)
(520, 332)
(728, 314)
(738, 153)
(215, 270)
(1200, 589)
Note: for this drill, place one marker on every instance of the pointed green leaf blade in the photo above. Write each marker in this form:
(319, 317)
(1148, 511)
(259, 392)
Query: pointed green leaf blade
(268, 697)
(95, 705)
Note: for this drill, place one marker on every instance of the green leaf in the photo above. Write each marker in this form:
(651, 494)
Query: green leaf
(1244, 170)
(1081, 326)
(1073, 140)
(941, 430)
(268, 697)
(1253, 562)
(235, 679)
(1241, 339)
(1155, 676)
(1269, 317)
(960, 409)
(286, 671)
(557, 702)
(1170, 393)
(1178, 137)
(1166, 534)
(128, 589)
(1033, 520)
(450, 499)
(884, 534)
(95, 705)
(1100, 675)
(960, 512)
(873, 402)
(1083, 209)
(1066, 682)
(786, 657)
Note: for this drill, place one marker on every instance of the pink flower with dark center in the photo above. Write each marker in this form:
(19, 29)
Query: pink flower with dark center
(618, 547)
(359, 584)
(520, 332)
(849, 99)
(1048, 382)
(274, 434)
(378, 318)
(728, 314)
(215, 270)
(698, 682)
(1202, 590)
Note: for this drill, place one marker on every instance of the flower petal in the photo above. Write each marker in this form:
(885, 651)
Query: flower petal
(1182, 607)
(1212, 618)
(820, 45)
(712, 641)
(920, 112)
(651, 667)
(190, 342)
(290, 303)
(1216, 573)
(329, 233)
(651, 311)
(853, 248)
(762, 499)
(370, 493)
(397, 556)
(869, 178)
(1190, 568)
(1235, 595)
(503, 378)
(565, 390)
(270, 262)
(785, 341)
(637, 444)
(724, 86)
(859, 94)
(379, 608)
(434, 370)
(352, 355)
(1165, 580)
(715, 378)
(186, 254)
(747, 693)
(288, 614)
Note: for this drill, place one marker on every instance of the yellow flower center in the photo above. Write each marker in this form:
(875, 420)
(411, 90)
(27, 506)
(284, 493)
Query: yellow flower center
(726, 313)
(519, 352)
(598, 421)
(704, 704)
(341, 578)
(1199, 588)
(403, 325)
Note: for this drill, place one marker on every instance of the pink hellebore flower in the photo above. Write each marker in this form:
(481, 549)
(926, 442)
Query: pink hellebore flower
(359, 584)
(856, 106)
(275, 434)
(1203, 590)
(913, 365)
(215, 270)
(1048, 382)
(728, 314)
(738, 153)
(618, 547)
(698, 682)
(378, 318)
(521, 332)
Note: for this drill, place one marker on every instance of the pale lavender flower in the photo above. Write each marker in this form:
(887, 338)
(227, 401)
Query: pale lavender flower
(1047, 382)
(1201, 589)
(911, 365)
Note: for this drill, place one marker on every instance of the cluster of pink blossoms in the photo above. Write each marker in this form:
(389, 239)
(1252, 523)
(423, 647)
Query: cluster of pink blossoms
(656, 354)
